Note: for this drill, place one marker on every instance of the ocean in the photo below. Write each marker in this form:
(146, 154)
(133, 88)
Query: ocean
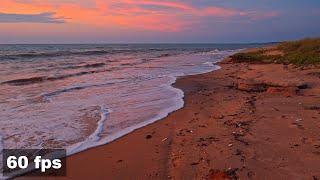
(81, 96)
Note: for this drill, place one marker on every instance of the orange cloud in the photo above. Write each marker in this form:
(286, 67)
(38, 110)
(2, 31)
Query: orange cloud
(136, 14)
(177, 5)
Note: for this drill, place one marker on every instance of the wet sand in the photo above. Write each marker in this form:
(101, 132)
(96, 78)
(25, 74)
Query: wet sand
(247, 121)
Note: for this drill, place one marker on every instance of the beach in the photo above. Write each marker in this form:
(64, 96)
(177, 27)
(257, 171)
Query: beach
(81, 96)
(149, 89)
(247, 121)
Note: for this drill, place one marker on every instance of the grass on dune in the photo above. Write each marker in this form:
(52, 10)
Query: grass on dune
(255, 57)
(300, 53)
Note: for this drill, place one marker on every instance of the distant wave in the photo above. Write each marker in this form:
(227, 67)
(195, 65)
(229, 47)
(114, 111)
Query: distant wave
(95, 65)
(76, 88)
(52, 54)
(27, 55)
(213, 52)
(40, 79)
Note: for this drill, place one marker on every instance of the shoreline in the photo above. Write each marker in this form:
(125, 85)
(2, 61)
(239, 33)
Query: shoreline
(74, 158)
(228, 128)
(78, 148)
(82, 146)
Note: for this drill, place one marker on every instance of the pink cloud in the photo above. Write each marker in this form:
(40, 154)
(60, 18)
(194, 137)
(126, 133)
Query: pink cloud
(135, 14)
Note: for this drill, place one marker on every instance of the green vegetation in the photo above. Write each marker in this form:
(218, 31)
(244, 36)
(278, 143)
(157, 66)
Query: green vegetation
(300, 53)
(303, 52)
(255, 57)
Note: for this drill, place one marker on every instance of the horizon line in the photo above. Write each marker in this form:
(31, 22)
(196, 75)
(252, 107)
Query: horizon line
(139, 43)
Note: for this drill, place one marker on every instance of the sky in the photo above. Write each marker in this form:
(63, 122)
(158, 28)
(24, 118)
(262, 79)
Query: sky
(161, 21)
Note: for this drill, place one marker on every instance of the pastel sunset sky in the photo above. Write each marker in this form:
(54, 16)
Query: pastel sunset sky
(127, 21)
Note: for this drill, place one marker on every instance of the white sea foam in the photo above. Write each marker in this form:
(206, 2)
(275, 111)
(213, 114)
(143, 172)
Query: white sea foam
(94, 139)
(213, 52)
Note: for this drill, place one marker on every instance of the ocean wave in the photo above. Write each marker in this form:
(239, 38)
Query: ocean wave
(41, 79)
(49, 54)
(52, 54)
(95, 65)
(25, 81)
(75, 88)
(212, 52)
